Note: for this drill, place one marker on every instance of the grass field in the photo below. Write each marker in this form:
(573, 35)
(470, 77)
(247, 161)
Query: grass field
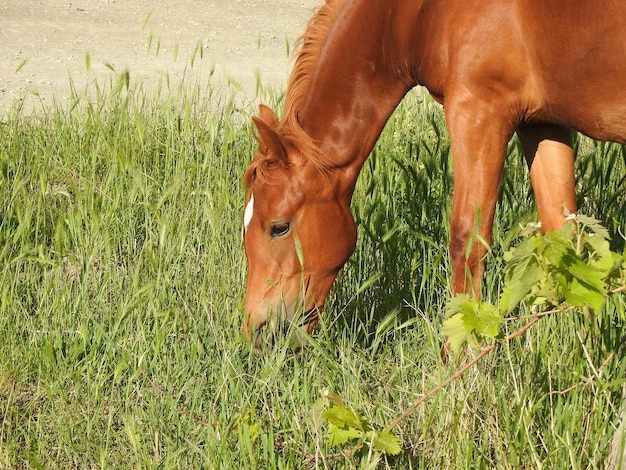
(121, 297)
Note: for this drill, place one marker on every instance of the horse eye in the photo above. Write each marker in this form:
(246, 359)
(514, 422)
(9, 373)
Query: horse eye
(278, 230)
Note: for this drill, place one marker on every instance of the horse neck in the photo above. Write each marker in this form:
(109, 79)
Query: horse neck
(354, 87)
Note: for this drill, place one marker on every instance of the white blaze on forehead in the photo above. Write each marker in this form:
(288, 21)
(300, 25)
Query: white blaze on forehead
(247, 214)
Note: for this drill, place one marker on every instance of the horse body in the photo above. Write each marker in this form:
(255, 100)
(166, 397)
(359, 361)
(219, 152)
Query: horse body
(499, 67)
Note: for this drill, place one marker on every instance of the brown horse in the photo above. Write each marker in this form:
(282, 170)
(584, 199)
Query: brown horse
(536, 67)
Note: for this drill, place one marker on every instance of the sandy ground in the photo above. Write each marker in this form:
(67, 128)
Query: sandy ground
(45, 43)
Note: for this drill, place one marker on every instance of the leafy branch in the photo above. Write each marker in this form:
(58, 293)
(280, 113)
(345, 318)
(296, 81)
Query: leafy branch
(485, 351)
(347, 427)
(572, 267)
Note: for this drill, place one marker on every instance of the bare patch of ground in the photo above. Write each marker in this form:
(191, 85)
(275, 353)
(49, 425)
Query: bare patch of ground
(44, 43)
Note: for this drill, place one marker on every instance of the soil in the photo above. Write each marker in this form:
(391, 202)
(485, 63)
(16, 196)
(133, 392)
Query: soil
(47, 45)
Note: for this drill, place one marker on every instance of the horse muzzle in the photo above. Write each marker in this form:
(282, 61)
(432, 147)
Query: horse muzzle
(264, 330)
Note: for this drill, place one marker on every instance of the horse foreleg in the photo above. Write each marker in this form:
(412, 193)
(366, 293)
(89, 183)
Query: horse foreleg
(478, 150)
(550, 157)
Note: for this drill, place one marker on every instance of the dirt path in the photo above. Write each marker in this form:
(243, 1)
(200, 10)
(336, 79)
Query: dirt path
(43, 43)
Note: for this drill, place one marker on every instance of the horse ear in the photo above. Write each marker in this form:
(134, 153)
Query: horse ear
(267, 115)
(268, 138)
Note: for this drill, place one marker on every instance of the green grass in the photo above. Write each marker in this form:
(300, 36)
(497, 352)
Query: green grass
(121, 296)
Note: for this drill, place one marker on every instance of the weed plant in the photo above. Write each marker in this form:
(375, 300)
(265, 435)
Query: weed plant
(121, 295)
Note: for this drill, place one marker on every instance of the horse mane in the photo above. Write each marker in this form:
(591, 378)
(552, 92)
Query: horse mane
(309, 47)
(308, 51)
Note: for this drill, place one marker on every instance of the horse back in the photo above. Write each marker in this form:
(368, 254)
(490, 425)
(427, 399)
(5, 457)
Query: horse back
(546, 61)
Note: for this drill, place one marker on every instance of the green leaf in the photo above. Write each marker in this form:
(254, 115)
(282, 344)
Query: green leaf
(479, 317)
(584, 272)
(342, 417)
(454, 330)
(470, 320)
(519, 253)
(520, 280)
(604, 260)
(579, 294)
(593, 225)
(599, 244)
(556, 249)
(339, 435)
(489, 320)
(316, 413)
(386, 442)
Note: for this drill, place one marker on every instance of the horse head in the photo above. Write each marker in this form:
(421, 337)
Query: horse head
(298, 232)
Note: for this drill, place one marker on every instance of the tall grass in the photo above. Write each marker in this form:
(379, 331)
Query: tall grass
(121, 287)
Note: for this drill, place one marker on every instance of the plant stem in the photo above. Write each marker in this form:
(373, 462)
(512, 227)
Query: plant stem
(460, 372)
